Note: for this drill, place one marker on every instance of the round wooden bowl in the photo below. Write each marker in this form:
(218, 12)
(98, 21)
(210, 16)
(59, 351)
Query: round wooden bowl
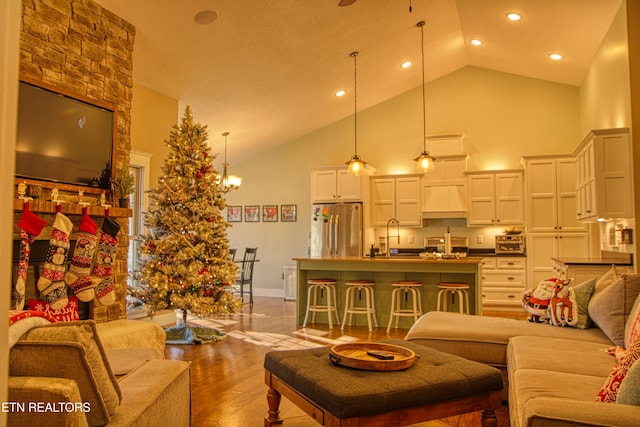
(358, 355)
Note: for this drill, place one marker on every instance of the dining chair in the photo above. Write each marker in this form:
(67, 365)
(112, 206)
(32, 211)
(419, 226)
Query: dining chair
(246, 272)
(232, 253)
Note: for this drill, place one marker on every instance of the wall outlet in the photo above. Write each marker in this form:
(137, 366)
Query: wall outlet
(411, 239)
(479, 239)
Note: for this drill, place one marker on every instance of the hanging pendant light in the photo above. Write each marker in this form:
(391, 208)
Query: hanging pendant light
(229, 182)
(424, 160)
(356, 164)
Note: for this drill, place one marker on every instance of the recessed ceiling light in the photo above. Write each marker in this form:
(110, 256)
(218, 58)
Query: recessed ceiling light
(205, 17)
(555, 56)
(406, 64)
(340, 93)
(512, 16)
(476, 42)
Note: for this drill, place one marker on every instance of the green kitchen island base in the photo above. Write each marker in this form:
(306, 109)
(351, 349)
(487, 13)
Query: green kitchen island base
(383, 271)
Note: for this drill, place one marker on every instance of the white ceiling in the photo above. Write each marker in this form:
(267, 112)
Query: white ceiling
(266, 70)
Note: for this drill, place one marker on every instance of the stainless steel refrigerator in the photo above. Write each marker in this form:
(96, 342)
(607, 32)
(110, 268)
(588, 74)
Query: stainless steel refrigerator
(336, 230)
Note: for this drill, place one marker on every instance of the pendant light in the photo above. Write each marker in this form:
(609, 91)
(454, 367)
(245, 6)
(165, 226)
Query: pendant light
(356, 164)
(229, 182)
(424, 160)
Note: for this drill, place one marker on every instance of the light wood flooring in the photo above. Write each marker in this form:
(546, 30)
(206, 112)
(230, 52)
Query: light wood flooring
(228, 388)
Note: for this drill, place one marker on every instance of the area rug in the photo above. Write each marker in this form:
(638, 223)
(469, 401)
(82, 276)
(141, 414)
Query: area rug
(190, 334)
(301, 339)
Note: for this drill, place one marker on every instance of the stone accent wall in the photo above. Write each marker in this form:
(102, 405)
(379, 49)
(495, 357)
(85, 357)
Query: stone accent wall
(81, 48)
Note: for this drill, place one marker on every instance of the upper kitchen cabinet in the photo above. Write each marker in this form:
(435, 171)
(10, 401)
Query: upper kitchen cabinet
(336, 185)
(396, 196)
(495, 198)
(550, 194)
(604, 175)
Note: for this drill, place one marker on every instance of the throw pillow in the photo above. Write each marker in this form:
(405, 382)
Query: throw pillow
(632, 328)
(605, 280)
(610, 309)
(629, 391)
(581, 294)
(609, 391)
(69, 313)
(563, 307)
(537, 301)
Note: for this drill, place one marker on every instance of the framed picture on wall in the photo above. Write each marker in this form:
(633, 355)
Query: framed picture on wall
(269, 213)
(234, 213)
(252, 213)
(288, 213)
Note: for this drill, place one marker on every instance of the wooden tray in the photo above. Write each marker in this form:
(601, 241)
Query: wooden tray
(354, 355)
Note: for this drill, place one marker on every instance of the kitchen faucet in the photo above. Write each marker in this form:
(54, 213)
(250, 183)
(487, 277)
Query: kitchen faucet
(392, 220)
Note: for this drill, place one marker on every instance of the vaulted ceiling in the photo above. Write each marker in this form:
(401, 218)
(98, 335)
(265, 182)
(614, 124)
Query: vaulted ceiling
(267, 71)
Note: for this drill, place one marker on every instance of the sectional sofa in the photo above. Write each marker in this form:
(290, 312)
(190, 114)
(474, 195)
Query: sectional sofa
(557, 376)
(87, 374)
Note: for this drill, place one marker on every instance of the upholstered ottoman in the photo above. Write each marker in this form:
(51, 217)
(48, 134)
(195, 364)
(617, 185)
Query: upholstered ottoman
(438, 385)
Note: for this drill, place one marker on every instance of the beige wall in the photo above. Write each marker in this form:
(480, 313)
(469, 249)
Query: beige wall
(605, 97)
(152, 117)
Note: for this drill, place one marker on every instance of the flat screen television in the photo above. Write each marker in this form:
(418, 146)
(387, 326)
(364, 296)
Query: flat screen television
(63, 139)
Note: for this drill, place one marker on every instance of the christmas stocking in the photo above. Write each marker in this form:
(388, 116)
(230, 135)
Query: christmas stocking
(103, 266)
(78, 277)
(50, 284)
(30, 226)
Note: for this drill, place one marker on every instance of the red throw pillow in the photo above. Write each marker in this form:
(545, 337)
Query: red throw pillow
(609, 391)
(67, 314)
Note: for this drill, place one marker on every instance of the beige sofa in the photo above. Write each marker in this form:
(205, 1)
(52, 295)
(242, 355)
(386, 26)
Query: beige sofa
(61, 374)
(552, 374)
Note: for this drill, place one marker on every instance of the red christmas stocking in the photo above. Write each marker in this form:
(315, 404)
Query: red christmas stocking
(50, 284)
(105, 258)
(30, 226)
(78, 277)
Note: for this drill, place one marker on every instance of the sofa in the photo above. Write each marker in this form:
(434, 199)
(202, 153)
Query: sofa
(581, 375)
(86, 374)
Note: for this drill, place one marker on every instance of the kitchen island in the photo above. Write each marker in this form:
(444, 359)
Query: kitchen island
(383, 271)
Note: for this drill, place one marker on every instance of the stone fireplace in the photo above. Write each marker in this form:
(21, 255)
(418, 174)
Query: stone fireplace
(79, 48)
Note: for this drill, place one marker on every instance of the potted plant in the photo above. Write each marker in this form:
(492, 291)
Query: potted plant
(123, 185)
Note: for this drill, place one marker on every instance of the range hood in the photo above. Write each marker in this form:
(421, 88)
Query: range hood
(444, 201)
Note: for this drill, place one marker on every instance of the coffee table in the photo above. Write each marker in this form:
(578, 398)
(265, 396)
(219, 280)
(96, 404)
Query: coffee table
(438, 385)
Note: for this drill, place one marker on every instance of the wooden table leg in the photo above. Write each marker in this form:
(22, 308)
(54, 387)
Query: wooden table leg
(273, 416)
(489, 418)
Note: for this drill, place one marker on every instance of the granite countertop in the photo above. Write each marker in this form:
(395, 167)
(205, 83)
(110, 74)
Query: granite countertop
(604, 258)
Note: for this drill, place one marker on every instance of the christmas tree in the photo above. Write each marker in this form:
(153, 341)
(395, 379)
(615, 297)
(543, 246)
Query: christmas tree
(185, 258)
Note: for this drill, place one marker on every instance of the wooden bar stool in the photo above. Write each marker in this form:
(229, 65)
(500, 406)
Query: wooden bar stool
(405, 288)
(350, 307)
(330, 305)
(446, 288)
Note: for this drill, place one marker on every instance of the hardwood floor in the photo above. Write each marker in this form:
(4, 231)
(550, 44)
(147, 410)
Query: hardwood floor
(227, 377)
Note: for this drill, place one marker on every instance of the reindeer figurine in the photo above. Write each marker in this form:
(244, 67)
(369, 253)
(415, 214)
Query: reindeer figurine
(563, 307)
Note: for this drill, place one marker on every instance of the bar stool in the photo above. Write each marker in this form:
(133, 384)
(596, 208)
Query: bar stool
(331, 302)
(447, 288)
(405, 288)
(350, 307)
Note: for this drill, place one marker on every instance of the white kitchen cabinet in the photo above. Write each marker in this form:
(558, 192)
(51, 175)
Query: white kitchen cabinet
(495, 198)
(550, 194)
(396, 196)
(604, 176)
(503, 282)
(336, 185)
(542, 247)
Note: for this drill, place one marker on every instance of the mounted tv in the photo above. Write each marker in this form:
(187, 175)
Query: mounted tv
(63, 139)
